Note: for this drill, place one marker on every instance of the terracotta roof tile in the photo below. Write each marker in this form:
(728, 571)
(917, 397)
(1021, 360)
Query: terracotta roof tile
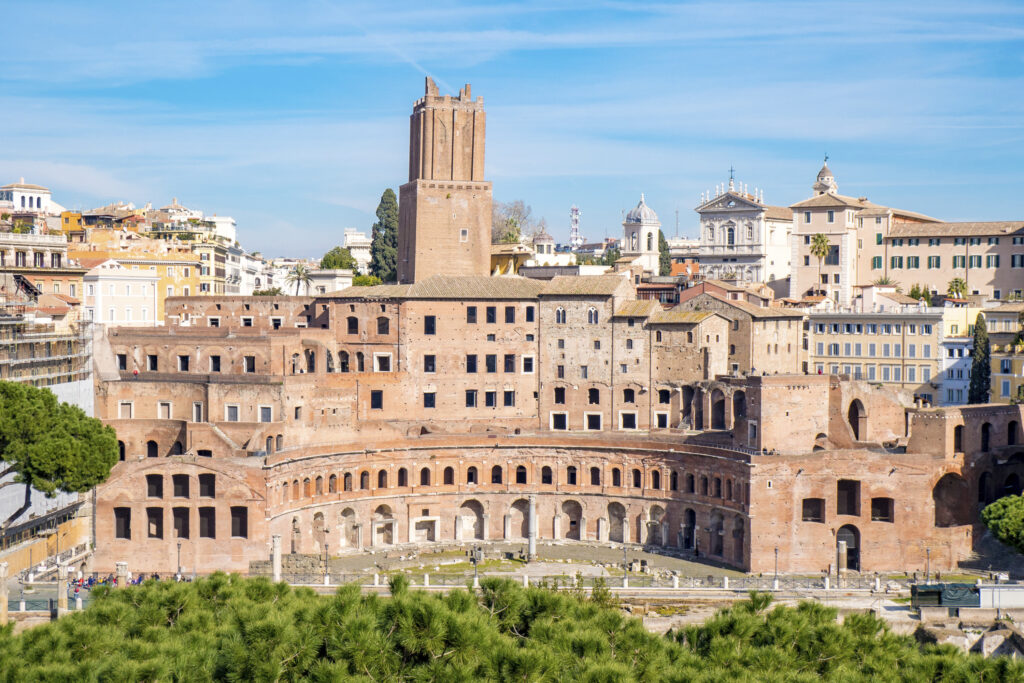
(584, 285)
(675, 316)
(994, 228)
(637, 309)
(449, 287)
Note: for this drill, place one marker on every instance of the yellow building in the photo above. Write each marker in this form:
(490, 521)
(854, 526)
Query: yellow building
(1007, 373)
(212, 258)
(174, 262)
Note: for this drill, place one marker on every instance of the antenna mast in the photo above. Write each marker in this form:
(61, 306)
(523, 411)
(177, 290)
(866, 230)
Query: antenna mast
(575, 239)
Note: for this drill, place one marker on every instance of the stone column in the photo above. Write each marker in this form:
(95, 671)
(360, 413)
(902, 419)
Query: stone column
(122, 574)
(275, 556)
(625, 528)
(458, 527)
(4, 593)
(583, 528)
(487, 526)
(664, 533)
(705, 410)
(508, 527)
(730, 419)
(556, 526)
(602, 529)
(62, 589)
(532, 529)
(359, 536)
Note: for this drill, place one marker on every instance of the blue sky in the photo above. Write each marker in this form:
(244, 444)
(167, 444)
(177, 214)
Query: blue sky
(292, 116)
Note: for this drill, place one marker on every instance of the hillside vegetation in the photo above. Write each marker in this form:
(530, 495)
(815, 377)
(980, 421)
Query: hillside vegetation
(236, 629)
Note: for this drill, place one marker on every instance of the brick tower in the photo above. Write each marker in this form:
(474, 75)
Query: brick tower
(444, 225)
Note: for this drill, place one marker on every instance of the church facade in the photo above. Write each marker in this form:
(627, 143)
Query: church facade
(743, 239)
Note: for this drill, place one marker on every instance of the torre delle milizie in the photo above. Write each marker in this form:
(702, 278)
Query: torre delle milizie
(454, 406)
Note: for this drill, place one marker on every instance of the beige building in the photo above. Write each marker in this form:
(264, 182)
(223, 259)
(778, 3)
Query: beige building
(445, 208)
(116, 295)
(855, 244)
(988, 257)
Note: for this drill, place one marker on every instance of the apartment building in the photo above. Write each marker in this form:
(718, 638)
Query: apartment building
(117, 295)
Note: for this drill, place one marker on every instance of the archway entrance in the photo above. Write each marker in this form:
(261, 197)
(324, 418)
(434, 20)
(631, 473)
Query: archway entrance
(574, 515)
(471, 514)
(689, 529)
(738, 537)
(849, 536)
(1012, 486)
(383, 526)
(349, 532)
(616, 522)
(858, 419)
(717, 409)
(655, 523)
(520, 519)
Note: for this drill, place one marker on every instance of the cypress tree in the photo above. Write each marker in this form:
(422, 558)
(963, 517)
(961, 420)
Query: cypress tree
(664, 260)
(981, 369)
(384, 247)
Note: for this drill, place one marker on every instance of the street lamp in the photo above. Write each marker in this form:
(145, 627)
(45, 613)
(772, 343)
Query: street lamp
(327, 562)
(776, 563)
(177, 570)
(475, 557)
(625, 566)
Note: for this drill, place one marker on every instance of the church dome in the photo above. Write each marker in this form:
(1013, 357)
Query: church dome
(642, 213)
(543, 237)
(825, 172)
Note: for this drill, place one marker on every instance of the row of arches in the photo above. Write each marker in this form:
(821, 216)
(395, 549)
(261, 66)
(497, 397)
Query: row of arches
(706, 532)
(713, 486)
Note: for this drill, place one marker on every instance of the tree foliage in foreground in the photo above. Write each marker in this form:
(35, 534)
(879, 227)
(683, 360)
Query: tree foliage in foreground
(1005, 519)
(229, 628)
(50, 446)
(338, 257)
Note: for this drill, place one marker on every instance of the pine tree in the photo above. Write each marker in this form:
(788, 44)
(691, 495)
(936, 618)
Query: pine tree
(664, 260)
(981, 370)
(384, 247)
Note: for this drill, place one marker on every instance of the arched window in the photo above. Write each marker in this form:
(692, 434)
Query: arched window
(689, 337)
(520, 474)
(471, 477)
(560, 316)
(403, 477)
(383, 325)
(592, 315)
(364, 480)
(270, 444)
(151, 449)
(711, 234)
(343, 361)
(673, 481)
(689, 483)
(332, 484)
(545, 475)
(958, 438)
(628, 396)
(496, 474)
(986, 437)
(570, 475)
(730, 237)
(296, 492)
(704, 486)
(307, 488)
(637, 479)
(382, 479)
(425, 476)
(655, 479)
(650, 241)
(718, 487)
(728, 489)
(284, 493)
(449, 476)
(319, 486)
(353, 324)
(280, 442)
(360, 366)
(347, 481)
(595, 476)
(120, 444)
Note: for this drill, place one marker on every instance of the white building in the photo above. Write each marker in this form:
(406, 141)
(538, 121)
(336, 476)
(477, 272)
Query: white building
(115, 295)
(743, 238)
(640, 233)
(544, 253)
(326, 281)
(358, 244)
(22, 197)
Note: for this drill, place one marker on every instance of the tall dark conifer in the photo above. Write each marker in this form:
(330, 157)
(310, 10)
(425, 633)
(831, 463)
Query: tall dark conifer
(384, 247)
(981, 369)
